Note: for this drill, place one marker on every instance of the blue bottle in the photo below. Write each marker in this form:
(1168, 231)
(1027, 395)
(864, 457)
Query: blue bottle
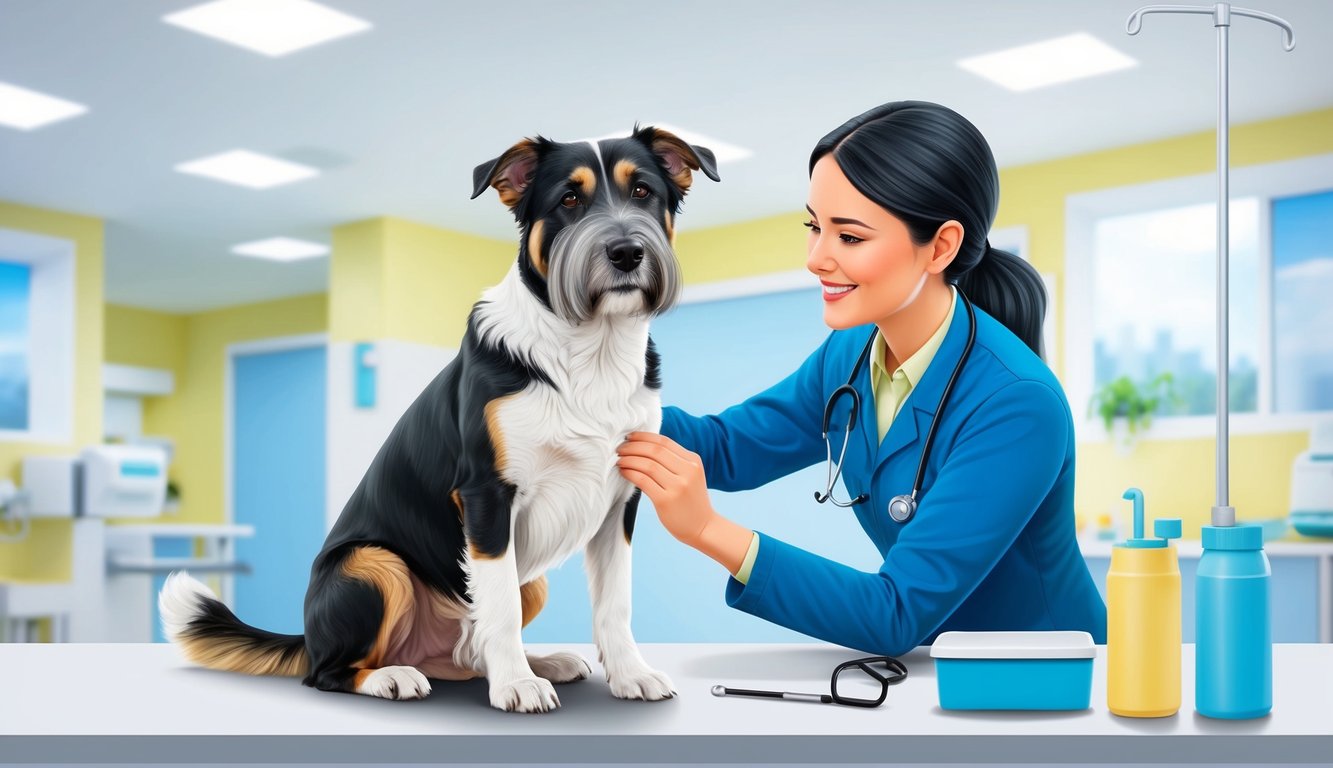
(1233, 663)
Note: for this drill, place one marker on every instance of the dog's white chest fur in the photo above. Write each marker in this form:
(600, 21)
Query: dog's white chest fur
(560, 442)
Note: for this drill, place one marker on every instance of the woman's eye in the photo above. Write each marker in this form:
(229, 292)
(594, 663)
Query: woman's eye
(813, 227)
(569, 200)
(849, 239)
(640, 192)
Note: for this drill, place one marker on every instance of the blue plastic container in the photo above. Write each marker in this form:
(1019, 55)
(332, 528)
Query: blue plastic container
(1014, 670)
(1233, 654)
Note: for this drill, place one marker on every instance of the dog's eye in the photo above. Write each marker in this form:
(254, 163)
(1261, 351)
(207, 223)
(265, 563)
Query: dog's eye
(639, 192)
(569, 200)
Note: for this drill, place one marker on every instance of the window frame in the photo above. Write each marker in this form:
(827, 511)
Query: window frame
(51, 324)
(1265, 181)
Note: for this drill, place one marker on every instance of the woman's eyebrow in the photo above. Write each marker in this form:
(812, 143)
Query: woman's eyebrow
(841, 220)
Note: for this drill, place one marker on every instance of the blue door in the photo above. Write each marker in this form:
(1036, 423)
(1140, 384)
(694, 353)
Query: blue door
(278, 481)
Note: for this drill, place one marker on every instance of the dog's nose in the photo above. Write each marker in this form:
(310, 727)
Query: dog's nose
(625, 253)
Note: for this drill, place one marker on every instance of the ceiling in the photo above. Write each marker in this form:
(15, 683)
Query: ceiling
(397, 117)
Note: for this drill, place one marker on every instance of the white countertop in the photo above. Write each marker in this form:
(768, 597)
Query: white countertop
(138, 703)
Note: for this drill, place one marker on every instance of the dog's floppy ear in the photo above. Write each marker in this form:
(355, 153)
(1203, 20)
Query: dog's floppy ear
(509, 173)
(677, 156)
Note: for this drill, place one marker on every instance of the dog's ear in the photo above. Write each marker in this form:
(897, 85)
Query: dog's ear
(509, 173)
(677, 156)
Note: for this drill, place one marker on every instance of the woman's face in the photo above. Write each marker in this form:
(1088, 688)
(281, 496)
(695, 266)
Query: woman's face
(862, 254)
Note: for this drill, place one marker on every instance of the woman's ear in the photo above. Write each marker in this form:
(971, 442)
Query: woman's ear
(944, 248)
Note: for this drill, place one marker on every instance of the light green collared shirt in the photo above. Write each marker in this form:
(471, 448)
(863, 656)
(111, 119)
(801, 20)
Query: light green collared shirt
(890, 390)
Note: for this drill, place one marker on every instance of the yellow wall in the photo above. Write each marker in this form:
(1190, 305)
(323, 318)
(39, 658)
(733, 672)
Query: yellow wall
(397, 279)
(194, 348)
(1176, 476)
(45, 554)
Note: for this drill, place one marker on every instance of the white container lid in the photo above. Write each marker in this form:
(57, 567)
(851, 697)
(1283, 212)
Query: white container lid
(1013, 645)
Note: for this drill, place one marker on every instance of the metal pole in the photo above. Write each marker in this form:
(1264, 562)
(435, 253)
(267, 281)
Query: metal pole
(1223, 513)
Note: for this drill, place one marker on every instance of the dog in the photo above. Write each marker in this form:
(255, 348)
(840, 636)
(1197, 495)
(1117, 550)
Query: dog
(506, 463)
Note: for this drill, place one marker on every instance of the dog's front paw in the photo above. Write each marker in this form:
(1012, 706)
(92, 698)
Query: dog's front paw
(395, 683)
(641, 683)
(526, 694)
(560, 667)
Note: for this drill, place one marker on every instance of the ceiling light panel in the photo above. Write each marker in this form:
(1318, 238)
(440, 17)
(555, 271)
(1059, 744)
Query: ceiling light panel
(722, 151)
(1049, 62)
(270, 27)
(26, 110)
(248, 169)
(281, 249)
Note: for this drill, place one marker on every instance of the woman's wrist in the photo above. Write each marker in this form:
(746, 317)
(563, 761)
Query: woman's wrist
(725, 541)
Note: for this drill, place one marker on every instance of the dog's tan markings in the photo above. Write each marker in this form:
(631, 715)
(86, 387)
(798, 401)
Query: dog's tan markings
(623, 172)
(388, 574)
(670, 227)
(533, 596)
(492, 411)
(511, 189)
(585, 180)
(678, 156)
(535, 246)
(237, 654)
(458, 502)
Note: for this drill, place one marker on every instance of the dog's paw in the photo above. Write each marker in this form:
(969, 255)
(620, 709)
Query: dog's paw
(526, 694)
(399, 683)
(560, 667)
(641, 683)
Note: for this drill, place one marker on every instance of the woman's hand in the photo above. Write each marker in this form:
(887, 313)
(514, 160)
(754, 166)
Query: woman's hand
(673, 478)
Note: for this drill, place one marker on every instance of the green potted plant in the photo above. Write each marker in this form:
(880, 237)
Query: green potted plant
(1122, 401)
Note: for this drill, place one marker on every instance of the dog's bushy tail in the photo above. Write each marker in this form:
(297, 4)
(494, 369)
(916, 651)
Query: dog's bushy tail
(210, 635)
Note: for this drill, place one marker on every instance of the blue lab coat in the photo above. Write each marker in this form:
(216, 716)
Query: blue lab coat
(992, 544)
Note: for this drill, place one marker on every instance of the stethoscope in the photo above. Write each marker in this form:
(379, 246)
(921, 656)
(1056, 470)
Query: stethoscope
(902, 507)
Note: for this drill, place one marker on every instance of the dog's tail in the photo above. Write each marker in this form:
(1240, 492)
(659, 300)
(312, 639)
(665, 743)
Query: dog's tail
(210, 635)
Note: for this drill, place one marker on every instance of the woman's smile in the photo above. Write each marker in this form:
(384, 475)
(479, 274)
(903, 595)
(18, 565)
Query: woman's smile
(835, 291)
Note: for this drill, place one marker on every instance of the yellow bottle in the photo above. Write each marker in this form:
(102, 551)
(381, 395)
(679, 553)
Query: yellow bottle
(1143, 621)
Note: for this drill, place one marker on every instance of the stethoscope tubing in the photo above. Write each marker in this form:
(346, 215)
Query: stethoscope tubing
(901, 508)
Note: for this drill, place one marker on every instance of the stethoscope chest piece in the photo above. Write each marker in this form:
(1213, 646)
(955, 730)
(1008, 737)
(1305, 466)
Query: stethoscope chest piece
(902, 508)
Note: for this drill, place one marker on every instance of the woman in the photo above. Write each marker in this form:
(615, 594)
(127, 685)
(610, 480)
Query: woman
(901, 199)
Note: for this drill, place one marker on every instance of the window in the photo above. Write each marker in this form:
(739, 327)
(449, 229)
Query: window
(15, 298)
(1141, 296)
(1302, 312)
(1155, 311)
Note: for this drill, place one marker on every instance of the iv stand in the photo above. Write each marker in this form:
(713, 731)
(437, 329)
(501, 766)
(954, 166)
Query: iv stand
(1224, 515)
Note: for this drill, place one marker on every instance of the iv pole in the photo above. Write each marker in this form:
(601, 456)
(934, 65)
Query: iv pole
(1224, 515)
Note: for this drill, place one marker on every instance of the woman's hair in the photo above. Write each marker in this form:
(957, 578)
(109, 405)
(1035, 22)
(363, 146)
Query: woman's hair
(926, 164)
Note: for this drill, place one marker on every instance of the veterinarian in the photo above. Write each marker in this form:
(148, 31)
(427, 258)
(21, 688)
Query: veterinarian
(933, 330)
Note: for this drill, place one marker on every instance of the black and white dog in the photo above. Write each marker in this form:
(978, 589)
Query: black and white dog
(506, 463)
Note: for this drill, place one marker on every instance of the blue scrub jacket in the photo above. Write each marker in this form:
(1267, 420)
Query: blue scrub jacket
(992, 544)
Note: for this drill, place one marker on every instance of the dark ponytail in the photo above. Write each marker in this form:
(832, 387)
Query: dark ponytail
(926, 164)
(1009, 290)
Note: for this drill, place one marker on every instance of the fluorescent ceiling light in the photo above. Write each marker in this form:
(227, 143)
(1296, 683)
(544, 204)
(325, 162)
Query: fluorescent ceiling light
(1060, 60)
(722, 151)
(25, 110)
(248, 169)
(281, 249)
(271, 27)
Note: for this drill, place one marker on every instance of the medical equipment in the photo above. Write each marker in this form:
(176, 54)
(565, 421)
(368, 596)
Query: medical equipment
(1233, 659)
(1014, 670)
(897, 674)
(1143, 620)
(1312, 485)
(901, 507)
(52, 484)
(102, 481)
